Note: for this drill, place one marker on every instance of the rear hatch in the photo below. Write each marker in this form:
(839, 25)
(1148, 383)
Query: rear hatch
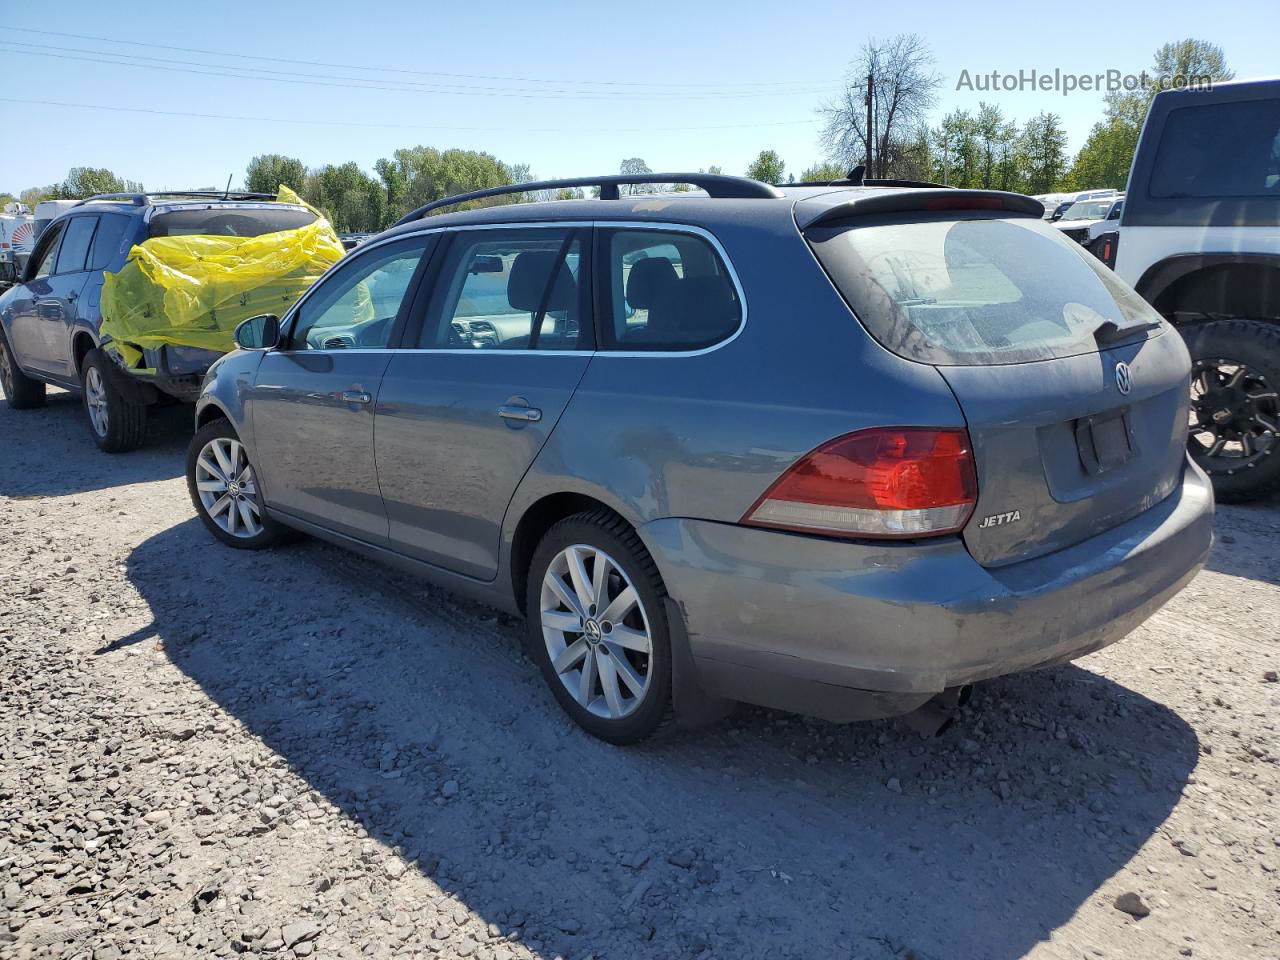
(1074, 391)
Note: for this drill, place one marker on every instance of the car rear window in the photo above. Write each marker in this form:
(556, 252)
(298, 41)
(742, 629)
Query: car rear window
(229, 221)
(974, 291)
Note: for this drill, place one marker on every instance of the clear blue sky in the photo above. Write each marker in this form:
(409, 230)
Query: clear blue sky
(570, 88)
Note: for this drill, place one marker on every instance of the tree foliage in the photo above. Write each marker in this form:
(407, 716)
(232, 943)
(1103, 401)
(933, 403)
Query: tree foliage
(633, 166)
(84, 182)
(415, 176)
(904, 84)
(1107, 154)
(1042, 153)
(767, 167)
(353, 201)
(823, 172)
(269, 171)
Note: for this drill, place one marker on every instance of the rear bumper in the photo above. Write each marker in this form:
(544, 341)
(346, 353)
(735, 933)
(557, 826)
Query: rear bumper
(860, 630)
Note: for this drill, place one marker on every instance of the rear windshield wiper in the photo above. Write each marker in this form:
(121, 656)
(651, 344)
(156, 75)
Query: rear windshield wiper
(1109, 331)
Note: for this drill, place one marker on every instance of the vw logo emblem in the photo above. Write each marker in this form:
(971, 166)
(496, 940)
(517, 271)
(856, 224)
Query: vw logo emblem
(1124, 381)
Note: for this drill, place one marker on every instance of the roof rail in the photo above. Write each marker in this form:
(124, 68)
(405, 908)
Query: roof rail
(144, 199)
(716, 184)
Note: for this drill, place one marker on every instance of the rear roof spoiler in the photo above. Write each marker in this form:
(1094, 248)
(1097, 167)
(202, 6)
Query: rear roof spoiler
(835, 207)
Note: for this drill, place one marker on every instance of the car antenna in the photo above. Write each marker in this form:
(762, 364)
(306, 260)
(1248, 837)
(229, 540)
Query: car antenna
(226, 194)
(856, 175)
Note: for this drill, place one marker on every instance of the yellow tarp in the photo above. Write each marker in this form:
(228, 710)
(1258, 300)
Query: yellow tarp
(193, 291)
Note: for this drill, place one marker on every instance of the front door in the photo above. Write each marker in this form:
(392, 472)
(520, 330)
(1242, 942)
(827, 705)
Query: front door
(60, 307)
(312, 401)
(506, 337)
(32, 301)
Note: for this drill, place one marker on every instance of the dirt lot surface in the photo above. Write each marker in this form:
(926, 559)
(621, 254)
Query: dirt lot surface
(205, 752)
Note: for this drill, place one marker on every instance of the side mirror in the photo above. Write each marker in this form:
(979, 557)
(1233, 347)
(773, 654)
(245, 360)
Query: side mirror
(258, 333)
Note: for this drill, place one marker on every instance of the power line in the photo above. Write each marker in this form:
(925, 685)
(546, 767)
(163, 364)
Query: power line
(424, 73)
(356, 83)
(396, 126)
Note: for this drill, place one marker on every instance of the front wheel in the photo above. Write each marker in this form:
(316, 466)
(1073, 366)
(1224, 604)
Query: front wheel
(224, 490)
(20, 391)
(116, 423)
(598, 627)
(1235, 406)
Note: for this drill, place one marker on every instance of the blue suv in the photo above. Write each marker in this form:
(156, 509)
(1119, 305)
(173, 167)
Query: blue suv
(50, 320)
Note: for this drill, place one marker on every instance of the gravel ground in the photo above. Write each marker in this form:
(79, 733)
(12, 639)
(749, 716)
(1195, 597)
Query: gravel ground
(205, 752)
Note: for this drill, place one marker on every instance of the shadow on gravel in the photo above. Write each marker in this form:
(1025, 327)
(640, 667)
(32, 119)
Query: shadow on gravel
(1247, 541)
(48, 451)
(766, 836)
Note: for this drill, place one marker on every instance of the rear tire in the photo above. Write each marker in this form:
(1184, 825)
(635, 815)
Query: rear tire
(224, 491)
(610, 668)
(20, 391)
(1235, 386)
(116, 423)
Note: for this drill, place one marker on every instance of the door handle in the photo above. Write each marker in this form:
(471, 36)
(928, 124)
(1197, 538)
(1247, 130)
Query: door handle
(525, 414)
(356, 396)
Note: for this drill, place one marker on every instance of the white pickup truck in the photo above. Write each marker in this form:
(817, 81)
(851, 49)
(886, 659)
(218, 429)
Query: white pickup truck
(1200, 240)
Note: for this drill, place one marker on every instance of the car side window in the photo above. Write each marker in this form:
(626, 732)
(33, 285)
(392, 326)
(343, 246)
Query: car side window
(669, 291)
(108, 242)
(1219, 150)
(511, 290)
(45, 265)
(356, 308)
(75, 245)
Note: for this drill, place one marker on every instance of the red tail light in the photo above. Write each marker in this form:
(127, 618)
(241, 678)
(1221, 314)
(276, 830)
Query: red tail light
(885, 482)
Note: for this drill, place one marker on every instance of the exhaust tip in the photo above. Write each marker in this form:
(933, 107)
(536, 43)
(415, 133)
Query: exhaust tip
(929, 720)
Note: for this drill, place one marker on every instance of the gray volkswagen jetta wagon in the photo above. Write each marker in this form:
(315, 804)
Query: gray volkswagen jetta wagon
(838, 449)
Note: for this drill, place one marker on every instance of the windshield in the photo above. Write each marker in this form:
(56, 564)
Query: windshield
(975, 291)
(230, 221)
(1088, 210)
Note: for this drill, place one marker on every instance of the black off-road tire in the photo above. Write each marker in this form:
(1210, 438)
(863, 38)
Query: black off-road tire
(1256, 345)
(125, 426)
(606, 531)
(20, 391)
(273, 532)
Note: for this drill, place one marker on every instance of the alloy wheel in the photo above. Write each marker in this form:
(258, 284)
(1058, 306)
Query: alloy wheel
(224, 482)
(1235, 416)
(95, 399)
(596, 631)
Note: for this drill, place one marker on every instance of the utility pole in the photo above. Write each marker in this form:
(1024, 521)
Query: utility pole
(871, 123)
(946, 162)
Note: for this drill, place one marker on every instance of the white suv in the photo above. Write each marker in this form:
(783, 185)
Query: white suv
(1200, 240)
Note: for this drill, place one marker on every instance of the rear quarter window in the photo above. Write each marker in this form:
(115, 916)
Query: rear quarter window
(974, 291)
(669, 292)
(1219, 150)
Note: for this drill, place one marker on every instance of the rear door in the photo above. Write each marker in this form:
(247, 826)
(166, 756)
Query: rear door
(312, 401)
(1075, 393)
(466, 408)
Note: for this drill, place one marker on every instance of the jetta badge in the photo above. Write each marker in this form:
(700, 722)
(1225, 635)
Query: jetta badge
(1000, 519)
(1124, 381)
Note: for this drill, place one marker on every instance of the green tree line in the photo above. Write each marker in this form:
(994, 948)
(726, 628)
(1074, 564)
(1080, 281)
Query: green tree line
(984, 147)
